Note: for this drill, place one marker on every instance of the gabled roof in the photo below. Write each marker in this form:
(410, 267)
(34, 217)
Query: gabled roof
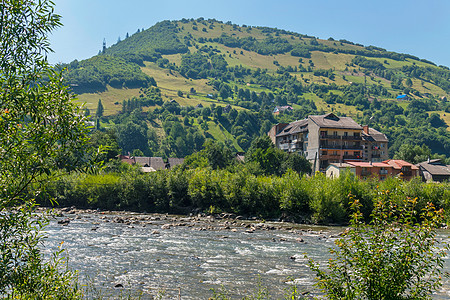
(332, 121)
(369, 165)
(156, 163)
(435, 169)
(374, 136)
(173, 161)
(294, 127)
(341, 165)
(142, 160)
(398, 164)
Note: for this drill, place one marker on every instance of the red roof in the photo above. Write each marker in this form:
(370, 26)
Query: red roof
(398, 164)
(369, 165)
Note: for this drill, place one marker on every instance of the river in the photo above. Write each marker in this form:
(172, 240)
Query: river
(168, 256)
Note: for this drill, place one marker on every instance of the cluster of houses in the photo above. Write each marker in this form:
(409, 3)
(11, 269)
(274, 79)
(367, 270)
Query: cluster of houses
(151, 164)
(333, 144)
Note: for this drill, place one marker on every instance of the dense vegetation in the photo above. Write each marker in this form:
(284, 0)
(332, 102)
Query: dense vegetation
(316, 199)
(253, 69)
(270, 184)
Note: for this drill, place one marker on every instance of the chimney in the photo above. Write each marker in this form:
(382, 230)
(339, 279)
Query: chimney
(366, 129)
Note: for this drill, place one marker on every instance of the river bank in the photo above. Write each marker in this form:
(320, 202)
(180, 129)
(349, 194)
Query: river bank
(200, 222)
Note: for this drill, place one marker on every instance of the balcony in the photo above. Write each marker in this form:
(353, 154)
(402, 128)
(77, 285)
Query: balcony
(331, 137)
(353, 147)
(330, 147)
(284, 146)
(365, 173)
(352, 137)
(353, 157)
(376, 155)
(296, 146)
(383, 172)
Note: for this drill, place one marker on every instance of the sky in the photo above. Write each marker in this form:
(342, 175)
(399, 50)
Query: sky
(420, 28)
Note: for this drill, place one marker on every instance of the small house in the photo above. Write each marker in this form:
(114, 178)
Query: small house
(434, 170)
(403, 97)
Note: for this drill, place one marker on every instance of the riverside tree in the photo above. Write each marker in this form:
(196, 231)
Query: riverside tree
(39, 126)
(396, 256)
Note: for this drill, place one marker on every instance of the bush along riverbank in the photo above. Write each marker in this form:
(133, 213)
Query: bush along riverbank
(290, 197)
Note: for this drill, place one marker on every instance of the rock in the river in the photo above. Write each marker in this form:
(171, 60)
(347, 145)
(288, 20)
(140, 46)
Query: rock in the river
(64, 222)
(166, 226)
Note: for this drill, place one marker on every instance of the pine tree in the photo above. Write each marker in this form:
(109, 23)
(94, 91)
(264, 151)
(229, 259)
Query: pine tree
(100, 109)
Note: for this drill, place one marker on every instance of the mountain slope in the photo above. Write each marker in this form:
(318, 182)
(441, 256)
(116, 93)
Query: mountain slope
(255, 68)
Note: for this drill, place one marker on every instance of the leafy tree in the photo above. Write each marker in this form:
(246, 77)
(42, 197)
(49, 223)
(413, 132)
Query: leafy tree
(132, 136)
(413, 154)
(274, 161)
(224, 92)
(40, 124)
(296, 163)
(408, 82)
(218, 155)
(396, 256)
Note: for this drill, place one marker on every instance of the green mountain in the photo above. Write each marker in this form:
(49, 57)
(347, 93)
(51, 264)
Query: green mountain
(168, 69)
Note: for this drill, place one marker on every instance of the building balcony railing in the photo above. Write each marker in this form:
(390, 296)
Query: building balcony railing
(376, 155)
(366, 173)
(330, 147)
(333, 137)
(383, 172)
(284, 146)
(352, 157)
(354, 147)
(352, 137)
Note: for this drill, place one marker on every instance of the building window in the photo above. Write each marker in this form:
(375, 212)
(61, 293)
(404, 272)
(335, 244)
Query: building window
(324, 152)
(345, 133)
(335, 133)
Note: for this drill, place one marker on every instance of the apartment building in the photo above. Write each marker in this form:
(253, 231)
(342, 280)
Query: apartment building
(326, 139)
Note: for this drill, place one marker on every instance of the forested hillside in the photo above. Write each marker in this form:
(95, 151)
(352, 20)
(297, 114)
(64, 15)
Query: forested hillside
(167, 89)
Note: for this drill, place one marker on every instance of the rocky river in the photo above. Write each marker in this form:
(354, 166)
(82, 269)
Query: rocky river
(172, 257)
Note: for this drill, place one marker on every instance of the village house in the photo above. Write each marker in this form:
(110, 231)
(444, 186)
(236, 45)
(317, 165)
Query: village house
(434, 170)
(379, 170)
(327, 139)
(403, 169)
(403, 97)
(279, 109)
(151, 164)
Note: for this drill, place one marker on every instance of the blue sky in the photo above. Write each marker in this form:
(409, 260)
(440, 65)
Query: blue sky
(420, 28)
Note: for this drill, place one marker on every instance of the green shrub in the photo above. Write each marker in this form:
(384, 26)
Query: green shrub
(396, 256)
